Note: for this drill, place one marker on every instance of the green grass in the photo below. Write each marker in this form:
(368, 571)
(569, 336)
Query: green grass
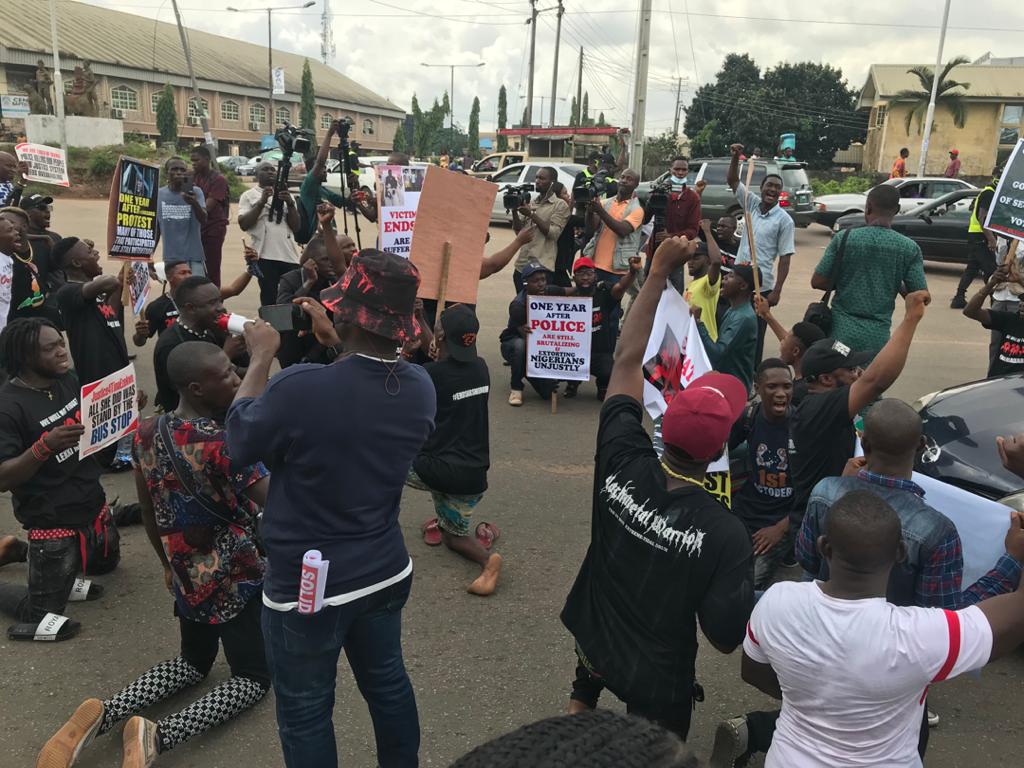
(849, 185)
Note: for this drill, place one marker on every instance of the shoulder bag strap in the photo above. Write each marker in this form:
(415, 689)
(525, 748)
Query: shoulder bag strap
(834, 277)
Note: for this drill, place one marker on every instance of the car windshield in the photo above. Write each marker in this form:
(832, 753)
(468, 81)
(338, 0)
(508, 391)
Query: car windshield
(795, 178)
(950, 199)
(979, 409)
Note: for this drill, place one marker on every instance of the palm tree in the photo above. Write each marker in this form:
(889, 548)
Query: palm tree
(945, 96)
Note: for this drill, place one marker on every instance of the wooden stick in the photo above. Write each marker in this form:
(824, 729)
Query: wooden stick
(749, 224)
(554, 402)
(442, 292)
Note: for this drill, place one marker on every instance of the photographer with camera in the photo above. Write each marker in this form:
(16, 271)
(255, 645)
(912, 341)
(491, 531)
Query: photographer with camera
(273, 239)
(312, 191)
(675, 208)
(548, 216)
(616, 222)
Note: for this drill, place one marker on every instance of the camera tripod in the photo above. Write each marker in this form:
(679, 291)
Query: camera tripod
(347, 165)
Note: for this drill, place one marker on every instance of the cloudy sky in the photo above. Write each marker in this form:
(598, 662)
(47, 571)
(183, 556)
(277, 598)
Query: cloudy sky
(382, 43)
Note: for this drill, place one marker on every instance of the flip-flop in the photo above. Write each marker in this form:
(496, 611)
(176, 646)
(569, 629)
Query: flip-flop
(431, 532)
(487, 534)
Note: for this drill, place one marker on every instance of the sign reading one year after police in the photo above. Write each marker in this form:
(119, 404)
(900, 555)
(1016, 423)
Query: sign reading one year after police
(1006, 215)
(110, 410)
(558, 344)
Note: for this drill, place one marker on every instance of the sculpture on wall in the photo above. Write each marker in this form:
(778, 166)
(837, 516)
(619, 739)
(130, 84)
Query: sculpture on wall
(82, 99)
(40, 100)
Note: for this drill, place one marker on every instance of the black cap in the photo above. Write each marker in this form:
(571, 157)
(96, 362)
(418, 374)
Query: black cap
(31, 202)
(460, 326)
(829, 355)
(532, 268)
(745, 272)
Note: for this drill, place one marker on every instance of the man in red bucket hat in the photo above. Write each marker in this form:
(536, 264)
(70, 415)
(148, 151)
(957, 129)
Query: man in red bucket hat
(341, 439)
(663, 552)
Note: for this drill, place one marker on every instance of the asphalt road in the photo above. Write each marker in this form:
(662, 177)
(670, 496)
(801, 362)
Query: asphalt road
(480, 667)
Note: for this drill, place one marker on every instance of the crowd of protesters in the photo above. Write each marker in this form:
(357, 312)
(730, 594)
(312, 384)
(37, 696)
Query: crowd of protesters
(237, 486)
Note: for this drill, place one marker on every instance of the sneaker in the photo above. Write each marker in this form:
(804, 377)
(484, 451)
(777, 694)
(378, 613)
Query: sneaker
(730, 743)
(571, 389)
(515, 398)
(933, 719)
(958, 302)
(140, 743)
(64, 747)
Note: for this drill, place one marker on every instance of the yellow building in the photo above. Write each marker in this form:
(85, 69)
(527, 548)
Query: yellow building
(994, 119)
(133, 57)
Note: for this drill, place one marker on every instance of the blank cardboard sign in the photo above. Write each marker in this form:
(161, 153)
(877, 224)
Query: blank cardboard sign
(453, 208)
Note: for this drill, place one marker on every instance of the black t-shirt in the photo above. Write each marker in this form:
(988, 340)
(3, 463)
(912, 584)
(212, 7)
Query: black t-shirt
(166, 394)
(767, 495)
(603, 334)
(517, 311)
(294, 348)
(823, 440)
(160, 314)
(456, 456)
(658, 560)
(95, 334)
(1010, 357)
(65, 492)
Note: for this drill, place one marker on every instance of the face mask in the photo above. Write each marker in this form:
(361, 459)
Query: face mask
(676, 182)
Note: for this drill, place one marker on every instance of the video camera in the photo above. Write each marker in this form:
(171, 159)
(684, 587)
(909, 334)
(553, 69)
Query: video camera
(595, 187)
(290, 139)
(657, 200)
(516, 197)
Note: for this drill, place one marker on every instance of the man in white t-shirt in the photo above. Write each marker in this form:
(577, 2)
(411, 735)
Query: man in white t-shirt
(273, 240)
(852, 670)
(10, 239)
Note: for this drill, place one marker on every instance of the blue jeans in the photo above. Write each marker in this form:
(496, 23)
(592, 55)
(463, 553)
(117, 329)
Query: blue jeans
(303, 650)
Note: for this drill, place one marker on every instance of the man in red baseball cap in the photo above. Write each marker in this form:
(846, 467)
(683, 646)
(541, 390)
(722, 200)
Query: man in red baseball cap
(663, 552)
(953, 169)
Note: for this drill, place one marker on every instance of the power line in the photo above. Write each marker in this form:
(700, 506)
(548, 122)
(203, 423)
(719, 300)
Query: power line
(672, 19)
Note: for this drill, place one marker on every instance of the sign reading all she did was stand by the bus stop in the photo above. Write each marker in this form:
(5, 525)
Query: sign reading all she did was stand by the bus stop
(558, 344)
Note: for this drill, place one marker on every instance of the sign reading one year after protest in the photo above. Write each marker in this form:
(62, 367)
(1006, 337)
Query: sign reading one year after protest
(110, 410)
(558, 344)
(131, 216)
(1006, 215)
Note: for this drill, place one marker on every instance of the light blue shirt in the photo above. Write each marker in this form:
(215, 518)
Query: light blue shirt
(774, 234)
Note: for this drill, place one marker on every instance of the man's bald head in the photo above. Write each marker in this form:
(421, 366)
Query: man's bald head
(892, 429)
(191, 361)
(863, 533)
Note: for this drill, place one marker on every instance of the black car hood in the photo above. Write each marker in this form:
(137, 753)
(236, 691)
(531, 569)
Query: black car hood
(960, 427)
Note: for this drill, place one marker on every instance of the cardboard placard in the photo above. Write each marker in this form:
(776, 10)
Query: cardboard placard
(558, 345)
(47, 165)
(110, 410)
(1006, 215)
(453, 208)
(131, 215)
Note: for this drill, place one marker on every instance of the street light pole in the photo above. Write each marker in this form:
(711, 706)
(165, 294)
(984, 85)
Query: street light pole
(935, 89)
(204, 120)
(451, 95)
(270, 48)
(58, 84)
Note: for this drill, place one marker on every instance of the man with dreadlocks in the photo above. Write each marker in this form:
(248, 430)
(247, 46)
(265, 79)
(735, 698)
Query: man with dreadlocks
(55, 494)
(338, 470)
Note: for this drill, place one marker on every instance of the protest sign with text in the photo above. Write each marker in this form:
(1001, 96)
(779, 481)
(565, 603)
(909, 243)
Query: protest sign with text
(131, 216)
(48, 165)
(110, 410)
(398, 196)
(454, 208)
(1006, 215)
(558, 344)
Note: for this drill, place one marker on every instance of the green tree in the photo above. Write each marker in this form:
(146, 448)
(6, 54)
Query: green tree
(166, 116)
(474, 129)
(502, 118)
(946, 96)
(658, 153)
(398, 145)
(574, 112)
(307, 102)
(585, 110)
(427, 128)
(600, 120)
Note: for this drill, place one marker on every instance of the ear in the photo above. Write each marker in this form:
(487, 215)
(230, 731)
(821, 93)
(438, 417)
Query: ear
(901, 552)
(865, 443)
(196, 390)
(824, 547)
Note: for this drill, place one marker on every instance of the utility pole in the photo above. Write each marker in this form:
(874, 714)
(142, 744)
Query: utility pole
(675, 118)
(58, 84)
(579, 91)
(554, 76)
(270, 71)
(533, 46)
(935, 88)
(643, 55)
(327, 49)
(204, 120)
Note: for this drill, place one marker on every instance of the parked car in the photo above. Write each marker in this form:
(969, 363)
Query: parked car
(489, 165)
(914, 192)
(939, 226)
(295, 173)
(719, 200)
(960, 429)
(231, 162)
(524, 174)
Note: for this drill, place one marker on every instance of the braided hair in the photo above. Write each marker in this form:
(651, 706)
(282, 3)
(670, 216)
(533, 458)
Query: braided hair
(19, 343)
(593, 739)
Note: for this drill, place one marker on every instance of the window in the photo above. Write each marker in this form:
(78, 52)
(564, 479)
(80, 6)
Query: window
(68, 83)
(325, 120)
(368, 127)
(282, 115)
(257, 114)
(509, 175)
(154, 100)
(1010, 127)
(911, 191)
(123, 97)
(880, 113)
(229, 111)
(195, 111)
(531, 174)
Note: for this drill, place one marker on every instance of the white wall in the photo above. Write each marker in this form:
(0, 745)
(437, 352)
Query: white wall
(82, 131)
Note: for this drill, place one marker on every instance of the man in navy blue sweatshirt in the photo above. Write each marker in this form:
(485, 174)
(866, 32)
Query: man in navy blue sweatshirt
(338, 473)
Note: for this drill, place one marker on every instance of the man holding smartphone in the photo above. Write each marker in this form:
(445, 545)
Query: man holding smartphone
(180, 215)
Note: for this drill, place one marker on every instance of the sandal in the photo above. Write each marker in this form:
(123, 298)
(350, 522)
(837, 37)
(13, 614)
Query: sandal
(431, 532)
(487, 534)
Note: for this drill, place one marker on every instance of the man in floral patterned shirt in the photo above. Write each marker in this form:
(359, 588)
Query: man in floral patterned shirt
(198, 509)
